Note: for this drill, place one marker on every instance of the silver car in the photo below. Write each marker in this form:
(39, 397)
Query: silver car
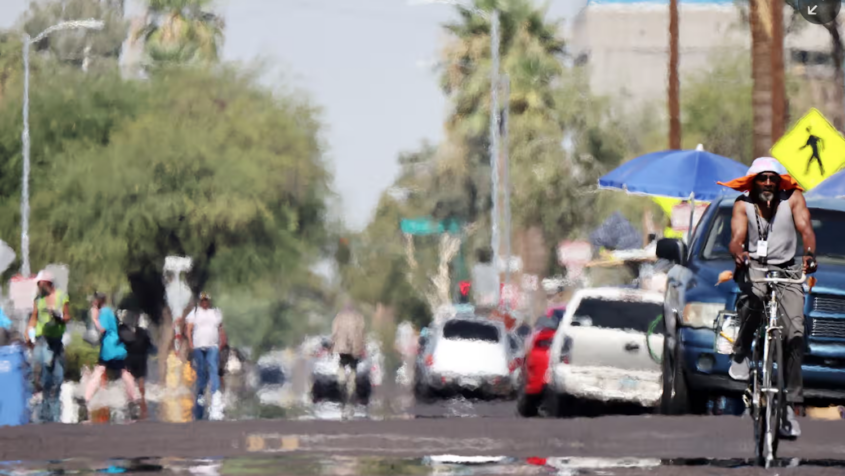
(604, 349)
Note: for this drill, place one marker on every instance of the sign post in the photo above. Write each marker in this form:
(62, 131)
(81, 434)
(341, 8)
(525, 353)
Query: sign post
(681, 216)
(574, 255)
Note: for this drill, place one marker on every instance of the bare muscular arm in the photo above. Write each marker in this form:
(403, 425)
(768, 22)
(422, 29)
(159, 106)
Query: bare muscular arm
(803, 225)
(739, 231)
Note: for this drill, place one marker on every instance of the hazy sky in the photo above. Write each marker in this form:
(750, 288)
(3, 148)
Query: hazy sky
(365, 62)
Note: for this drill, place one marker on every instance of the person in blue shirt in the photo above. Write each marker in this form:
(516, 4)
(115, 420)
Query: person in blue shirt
(112, 350)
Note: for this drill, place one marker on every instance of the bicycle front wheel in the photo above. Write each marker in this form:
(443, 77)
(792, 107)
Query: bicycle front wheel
(775, 396)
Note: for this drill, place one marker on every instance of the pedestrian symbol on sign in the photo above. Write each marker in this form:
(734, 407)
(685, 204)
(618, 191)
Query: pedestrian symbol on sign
(814, 142)
(800, 150)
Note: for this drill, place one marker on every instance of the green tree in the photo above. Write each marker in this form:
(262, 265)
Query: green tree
(197, 163)
(717, 108)
(378, 270)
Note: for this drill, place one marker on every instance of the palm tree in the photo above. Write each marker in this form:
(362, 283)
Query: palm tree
(531, 56)
(182, 32)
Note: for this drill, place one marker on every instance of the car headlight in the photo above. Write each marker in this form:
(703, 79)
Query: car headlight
(702, 314)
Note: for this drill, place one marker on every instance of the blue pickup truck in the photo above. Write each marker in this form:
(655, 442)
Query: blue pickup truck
(692, 372)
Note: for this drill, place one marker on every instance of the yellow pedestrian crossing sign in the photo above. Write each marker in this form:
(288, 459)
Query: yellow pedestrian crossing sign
(812, 150)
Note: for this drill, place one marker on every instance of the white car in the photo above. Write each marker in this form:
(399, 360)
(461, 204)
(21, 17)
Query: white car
(601, 351)
(467, 354)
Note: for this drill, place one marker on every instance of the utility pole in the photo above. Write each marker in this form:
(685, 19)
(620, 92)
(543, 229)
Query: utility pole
(761, 73)
(778, 86)
(494, 134)
(674, 81)
(506, 85)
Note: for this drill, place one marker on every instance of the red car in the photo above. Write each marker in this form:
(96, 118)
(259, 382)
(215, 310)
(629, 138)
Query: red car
(536, 364)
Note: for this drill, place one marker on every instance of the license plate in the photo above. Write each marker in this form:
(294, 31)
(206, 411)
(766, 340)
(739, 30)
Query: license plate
(628, 384)
(471, 382)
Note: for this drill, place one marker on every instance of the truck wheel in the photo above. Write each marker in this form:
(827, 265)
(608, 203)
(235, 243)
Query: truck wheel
(422, 393)
(677, 399)
(528, 406)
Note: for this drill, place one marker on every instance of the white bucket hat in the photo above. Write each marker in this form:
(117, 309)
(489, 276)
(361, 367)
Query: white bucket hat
(44, 275)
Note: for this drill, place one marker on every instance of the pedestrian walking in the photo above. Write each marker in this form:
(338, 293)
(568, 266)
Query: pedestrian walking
(44, 333)
(137, 355)
(348, 341)
(205, 335)
(112, 354)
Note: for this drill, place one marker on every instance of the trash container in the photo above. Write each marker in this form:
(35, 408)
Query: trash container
(14, 386)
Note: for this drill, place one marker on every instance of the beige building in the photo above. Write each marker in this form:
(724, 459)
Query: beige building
(625, 44)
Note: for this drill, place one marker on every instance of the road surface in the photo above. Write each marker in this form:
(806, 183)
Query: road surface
(719, 439)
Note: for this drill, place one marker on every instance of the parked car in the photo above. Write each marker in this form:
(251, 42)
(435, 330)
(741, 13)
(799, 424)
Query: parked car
(692, 371)
(602, 350)
(324, 384)
(466, 355)
(532, 382)
(271, 378)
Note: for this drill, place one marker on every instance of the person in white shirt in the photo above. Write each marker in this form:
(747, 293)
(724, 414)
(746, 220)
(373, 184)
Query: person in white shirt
(205, 337)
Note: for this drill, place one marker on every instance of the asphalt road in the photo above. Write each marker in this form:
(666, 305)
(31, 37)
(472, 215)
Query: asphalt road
(401, 436)
(665, 438)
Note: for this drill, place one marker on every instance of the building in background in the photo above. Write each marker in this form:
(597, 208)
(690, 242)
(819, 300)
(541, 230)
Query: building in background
(625, 44)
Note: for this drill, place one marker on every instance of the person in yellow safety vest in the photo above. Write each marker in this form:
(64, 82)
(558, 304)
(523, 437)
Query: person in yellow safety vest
(47, 325)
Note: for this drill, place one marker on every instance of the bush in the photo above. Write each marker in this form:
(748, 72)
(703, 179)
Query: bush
(78, 355)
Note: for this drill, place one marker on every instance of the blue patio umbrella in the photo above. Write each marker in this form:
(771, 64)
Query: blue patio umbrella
(831, 187)
(686, 174)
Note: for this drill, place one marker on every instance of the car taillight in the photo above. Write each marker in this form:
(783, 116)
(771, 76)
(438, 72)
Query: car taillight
(429, 360)
(566, 350)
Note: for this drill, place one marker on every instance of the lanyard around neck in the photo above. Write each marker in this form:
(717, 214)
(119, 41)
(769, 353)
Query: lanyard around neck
(757, 214)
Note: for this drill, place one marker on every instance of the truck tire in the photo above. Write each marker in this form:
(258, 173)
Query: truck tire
(528, 406)
(677, 399)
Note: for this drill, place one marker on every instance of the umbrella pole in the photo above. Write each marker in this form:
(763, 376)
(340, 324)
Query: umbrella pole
(691, 219)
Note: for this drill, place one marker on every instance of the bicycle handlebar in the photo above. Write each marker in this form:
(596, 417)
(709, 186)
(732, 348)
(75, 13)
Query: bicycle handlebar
(778, 280)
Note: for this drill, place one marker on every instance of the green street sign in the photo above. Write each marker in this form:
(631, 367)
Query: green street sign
(427, 226)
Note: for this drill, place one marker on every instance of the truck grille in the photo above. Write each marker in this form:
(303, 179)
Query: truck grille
(828, 327)
(829, 304)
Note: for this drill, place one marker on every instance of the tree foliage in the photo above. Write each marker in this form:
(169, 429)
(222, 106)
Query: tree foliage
(201, 163)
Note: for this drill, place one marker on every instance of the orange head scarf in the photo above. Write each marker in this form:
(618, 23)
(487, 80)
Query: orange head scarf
(763, 164)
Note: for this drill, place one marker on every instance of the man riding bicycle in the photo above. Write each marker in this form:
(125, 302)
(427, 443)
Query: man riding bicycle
(764, 236)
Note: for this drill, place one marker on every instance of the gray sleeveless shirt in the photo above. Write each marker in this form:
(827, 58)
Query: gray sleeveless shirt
(782, 237)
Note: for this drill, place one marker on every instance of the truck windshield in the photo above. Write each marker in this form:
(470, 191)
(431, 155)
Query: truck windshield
(829, 226)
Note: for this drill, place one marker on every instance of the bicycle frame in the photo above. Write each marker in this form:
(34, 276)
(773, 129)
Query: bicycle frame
(762, 388)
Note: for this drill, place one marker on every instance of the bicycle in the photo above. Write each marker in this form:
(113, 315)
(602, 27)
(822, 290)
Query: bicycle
(766, 388)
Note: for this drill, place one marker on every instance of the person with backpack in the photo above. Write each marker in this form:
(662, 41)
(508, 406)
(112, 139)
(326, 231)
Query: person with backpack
(138, 352)
(112, 353)
(47, 325)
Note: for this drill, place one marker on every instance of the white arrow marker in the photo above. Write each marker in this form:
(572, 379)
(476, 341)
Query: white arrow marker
(812, 10)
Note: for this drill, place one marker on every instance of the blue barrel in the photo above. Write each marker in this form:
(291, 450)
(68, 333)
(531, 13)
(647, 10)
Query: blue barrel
(14, 386)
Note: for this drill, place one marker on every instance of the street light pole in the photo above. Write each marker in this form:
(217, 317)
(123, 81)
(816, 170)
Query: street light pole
(494, 135)
(27, 43)
(25, 271)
